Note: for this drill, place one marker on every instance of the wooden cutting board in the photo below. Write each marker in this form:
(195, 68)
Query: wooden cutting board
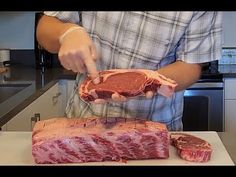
(18, 148)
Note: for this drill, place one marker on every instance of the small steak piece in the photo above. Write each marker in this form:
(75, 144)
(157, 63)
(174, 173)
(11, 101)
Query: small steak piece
(191, 148)
(63, 140)
(128, 83)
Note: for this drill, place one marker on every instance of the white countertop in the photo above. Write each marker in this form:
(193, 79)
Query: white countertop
(15, 149)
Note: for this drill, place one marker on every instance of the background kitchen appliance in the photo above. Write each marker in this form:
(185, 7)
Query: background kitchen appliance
(203, 106)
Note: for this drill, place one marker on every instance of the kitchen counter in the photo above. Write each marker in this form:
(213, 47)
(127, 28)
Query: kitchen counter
(40, 81)
(229, 141)
(22, 155)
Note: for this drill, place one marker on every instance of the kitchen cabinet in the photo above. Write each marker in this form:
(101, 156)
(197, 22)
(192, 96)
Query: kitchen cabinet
(230, 102)
(46, 106)
(50, 104)
(3, 128)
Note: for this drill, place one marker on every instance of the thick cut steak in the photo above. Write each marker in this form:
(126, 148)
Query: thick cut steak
(63, 140)
(191, 148)
(126, 82)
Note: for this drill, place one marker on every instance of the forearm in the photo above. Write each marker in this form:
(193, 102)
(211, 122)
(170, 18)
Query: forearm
(49, 30)
(183, 73)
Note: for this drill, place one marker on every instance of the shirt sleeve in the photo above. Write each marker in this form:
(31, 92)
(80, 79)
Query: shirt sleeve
(202, 39)
(65, 16)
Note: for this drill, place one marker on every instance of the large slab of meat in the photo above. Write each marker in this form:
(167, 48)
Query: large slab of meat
(128, 83)
(191, 148)
(62, 140)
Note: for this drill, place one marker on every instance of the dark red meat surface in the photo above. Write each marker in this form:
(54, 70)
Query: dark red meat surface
(128, 83)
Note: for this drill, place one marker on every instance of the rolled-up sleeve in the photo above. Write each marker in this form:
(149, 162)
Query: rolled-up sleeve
(65, 16)
(202, 40)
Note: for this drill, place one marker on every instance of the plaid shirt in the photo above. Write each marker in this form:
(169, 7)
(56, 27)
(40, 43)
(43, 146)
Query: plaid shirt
(147, 40)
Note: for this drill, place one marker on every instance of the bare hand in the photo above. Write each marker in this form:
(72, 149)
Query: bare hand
(78, 53)
(149, 94)
(119, 98)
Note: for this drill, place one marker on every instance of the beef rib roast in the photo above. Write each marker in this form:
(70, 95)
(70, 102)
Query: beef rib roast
(191, 148)
(126, 82)
(63, 140)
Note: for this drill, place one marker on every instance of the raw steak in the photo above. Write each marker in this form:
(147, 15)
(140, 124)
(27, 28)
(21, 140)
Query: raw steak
(126, 82)
(63, 140)
(191, 148)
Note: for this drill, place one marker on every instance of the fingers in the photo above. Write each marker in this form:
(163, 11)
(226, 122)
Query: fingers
(92, 69)
(65, 65)
(75, 61)
(118, 98)
(69, 62)
(80, 66)
(79, 55)
(149, 94)
(84, 60)
(114, 98)
(100, 101)
(89, 59)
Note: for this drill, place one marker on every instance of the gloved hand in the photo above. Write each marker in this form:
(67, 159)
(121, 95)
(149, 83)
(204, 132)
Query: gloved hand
(119, 98)
(77, 52)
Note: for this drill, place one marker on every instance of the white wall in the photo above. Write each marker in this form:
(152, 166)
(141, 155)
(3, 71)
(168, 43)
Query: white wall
(229, 29)
(17, 30)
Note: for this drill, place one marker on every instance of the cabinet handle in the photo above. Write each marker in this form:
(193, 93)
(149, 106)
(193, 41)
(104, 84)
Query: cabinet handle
(54, 98)
(33, 121)
(37, 116)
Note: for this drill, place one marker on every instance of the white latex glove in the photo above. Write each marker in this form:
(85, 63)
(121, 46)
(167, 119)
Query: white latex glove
(77, 53)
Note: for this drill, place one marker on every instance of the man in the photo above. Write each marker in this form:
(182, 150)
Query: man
(172, 43)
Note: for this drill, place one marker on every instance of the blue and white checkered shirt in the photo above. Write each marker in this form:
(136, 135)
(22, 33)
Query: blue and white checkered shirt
(148, 40)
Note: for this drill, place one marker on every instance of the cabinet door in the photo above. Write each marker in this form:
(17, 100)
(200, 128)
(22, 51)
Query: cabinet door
(22, 121)
(48, 105)
(53, 102)
(230, 116)
(4, 127)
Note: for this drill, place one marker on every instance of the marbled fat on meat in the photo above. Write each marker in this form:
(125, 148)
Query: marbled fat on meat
(128, 83)
(63, 140)
(191, 148)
